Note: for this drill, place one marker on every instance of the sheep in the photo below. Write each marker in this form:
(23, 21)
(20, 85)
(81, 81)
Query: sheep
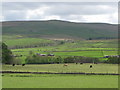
(65, 65)
(90, 66)
(13, 64)
(23, 64)
(81, 63)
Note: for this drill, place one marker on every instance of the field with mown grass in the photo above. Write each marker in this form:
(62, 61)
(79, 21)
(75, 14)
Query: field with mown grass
(58, 81)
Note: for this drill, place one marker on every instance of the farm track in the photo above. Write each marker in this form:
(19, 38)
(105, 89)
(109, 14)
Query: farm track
(60, 73)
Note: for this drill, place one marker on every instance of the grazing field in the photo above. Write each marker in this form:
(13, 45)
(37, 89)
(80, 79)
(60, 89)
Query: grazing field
(27, 42)
(62, 44)
(61, 48)
(22, 41)
(88, 52)
(97, 68)
(59, 81)
(22, 45)
(78, 53)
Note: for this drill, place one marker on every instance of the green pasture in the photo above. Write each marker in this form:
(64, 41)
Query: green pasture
(97, 68)
(11, 37)
(26, 42)
(58, 81)
(23, 41)
(92, 44)
(60, 48)
(88, 52)
(88, 48)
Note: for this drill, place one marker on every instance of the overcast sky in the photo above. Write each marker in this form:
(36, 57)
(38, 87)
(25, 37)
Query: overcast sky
(74, 12)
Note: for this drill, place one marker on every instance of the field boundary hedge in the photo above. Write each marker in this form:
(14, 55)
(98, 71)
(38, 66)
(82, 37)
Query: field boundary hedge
(82, 73)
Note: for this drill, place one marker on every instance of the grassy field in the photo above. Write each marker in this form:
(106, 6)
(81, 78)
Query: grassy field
(24, 42)
(97, 68)
(89, 48)
(59, 81)
(78, 53)
(69, 40)
(88, 52)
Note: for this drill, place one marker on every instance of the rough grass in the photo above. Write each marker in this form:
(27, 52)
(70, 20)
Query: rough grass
(22, 42)
(59, 81)
(56, 28)
(97, 68)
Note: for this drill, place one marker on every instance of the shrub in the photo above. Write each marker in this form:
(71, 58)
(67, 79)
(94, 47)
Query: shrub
(79, 59)
(113, 60)
(36, 59)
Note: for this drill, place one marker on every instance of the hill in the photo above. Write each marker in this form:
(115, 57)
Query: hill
(60, 29)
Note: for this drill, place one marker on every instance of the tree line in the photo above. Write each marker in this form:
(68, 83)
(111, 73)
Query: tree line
(36, 59)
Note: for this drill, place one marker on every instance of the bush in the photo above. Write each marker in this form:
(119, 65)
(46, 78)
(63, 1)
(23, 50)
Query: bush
(113, 60)
(37, 59)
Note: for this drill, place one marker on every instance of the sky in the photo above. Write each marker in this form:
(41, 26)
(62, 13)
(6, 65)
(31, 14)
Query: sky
(101, 12)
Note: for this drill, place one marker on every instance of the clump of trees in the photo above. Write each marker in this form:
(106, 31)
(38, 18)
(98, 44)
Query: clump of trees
(99, 38)
(6, 54)
(79, 59)
(113, 60)
(36, 59)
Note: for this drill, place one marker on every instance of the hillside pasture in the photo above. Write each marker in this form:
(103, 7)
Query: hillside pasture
(27, 42)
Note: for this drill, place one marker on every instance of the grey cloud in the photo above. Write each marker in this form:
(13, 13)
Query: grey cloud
(78, 9)
(14, 15)
(33, 5)
(20, 5)
(18, 11)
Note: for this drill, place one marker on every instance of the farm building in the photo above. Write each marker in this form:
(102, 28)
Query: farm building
(17, 55)
(44, 54)
(41, 54)
(50, 55)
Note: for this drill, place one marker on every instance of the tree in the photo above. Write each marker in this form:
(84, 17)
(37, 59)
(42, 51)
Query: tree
(62, 42)
(113, 60)
(6, 54)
